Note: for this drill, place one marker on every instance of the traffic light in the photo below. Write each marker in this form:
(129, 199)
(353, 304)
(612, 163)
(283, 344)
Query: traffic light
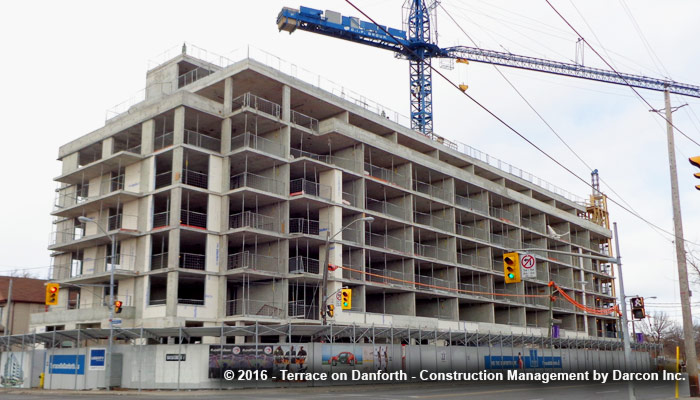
(52, 294)
(696, 162)
(330, 310)
(511, 267)
(117, 307)
(345, 299)
(637, 304)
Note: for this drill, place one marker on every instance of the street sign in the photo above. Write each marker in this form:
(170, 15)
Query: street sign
(527, 265)
(116, 321)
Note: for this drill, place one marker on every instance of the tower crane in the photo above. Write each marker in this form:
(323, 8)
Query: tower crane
(419, 45)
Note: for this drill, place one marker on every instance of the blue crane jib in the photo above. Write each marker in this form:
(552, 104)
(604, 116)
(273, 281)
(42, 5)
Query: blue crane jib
(417, 47)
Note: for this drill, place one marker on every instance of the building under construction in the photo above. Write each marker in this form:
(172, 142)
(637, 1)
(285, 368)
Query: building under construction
(222, 186)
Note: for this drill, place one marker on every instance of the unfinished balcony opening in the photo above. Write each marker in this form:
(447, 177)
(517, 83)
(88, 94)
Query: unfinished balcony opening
(507, 292)
(256, 135)
(389, 235)
(433, 245)
(476, 311)
(164, 126)
(353, 191)
(532, 290)
(76, 263)
(73, 299)
(432, 214)
(255, 212)
(191, 289)
(505, 236)
(193, 247)
(255, 298)
(261, 175)
(195, 169)
(534, 241)
(580, 237)
(161, 210)
(249, 102)
(90, 154)
(164, 170)
(353, 263)
(305, 180)
(251, 252)
(472, 198)
(159, 251)
(472, 226)
(128, 140)
(386, 168)
(202, 130)
(562, 276)
(112, 182)
(389, 269)
(193, 209)
(474, 284)
(354, 228)
(387, 200)
(307, 110)
(189, 72)
(303, 300)
(380, 300)
(434, 277)
(532, 219)
(432, 183)
(440, 307)
(304, 257)
(509, 314)
(338, 150)
(504, 209)
(474, 255)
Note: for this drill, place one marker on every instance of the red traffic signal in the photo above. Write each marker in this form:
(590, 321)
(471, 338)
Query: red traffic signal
(117, 307)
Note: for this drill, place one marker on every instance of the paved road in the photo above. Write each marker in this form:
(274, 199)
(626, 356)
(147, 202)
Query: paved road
(419, 391)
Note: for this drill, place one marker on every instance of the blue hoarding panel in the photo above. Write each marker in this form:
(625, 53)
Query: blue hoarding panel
(67, 364)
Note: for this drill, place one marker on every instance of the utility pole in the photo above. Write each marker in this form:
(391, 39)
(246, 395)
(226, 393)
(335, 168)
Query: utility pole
(623, 308)
(8, 326)
(688, 336)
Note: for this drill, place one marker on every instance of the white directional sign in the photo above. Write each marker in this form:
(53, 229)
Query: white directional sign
(527, 266)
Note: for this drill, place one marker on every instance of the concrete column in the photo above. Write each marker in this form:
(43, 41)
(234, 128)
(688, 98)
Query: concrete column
(331, 219)
(107, 147)
(148, 133)
(179, 126)
(215, 172)
(69, 163)
(178, 162)
(213, 253)
(228, 95)
(214, 213)
(221, 299)
(148, 181)
(171, 294)
(286, 103)
(226, 136)
(175, 205)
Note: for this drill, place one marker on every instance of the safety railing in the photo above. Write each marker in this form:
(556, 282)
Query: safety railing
(581, 240)
(162, 141)
(476, 290)
(304, 226)
(193, 218)
(192, 76)
(433, 284)
(256, 142)
(431, 251)
(511, 295)
(471, 231)
(157, 302)
(259, 182)
(301, 309)
(388, 242)
(431, 190)
(561, 258)
(389, 277)
(297, 153)
(303, 186)
(257, 103)
(192, 261)
(163, 179)
(304, 121)
(303, 265)
(245, 307)
(432, 220)
(477, 205)
(473, 260)
(385, 174)
(159, 261)
(249, 219)
(195, 178)
(561, 280)
(248, 260)
(505, 241)
(352, 235)
(349, 199)
(528, 245)
(387, 208)
(532, 224)
(502, 213)
(536, 301)
(161, 219)
(114, 222)
(201, 140)
(115, 183)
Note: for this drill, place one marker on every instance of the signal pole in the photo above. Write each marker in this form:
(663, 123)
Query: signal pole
(690, 354)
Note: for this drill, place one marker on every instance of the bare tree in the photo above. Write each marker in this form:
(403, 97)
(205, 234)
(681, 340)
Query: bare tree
(657, 327)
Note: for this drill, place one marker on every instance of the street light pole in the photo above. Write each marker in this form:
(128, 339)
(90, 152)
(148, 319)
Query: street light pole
(326, 258)
(108, 358)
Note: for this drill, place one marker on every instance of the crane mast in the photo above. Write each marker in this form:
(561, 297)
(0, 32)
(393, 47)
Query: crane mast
(418, 46)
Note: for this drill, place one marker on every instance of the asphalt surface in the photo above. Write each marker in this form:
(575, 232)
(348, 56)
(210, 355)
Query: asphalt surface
(418, 391)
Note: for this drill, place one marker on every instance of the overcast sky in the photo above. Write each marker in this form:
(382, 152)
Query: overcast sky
(66, 63)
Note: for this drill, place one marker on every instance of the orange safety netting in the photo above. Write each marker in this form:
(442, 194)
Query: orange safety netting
(590, 310)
